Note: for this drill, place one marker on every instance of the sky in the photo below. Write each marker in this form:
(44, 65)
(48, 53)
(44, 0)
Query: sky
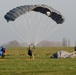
(66, 30)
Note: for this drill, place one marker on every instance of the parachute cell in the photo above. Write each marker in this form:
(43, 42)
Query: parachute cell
(44, 9)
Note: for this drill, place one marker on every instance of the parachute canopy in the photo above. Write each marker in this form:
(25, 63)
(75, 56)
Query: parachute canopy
(63, 54)
(44, 9)
(34, 23)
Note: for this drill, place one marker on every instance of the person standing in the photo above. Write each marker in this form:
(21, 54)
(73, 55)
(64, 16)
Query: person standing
(3, 51)
(75, 48)
(31, 52)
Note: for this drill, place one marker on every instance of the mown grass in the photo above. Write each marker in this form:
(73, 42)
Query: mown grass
(17, 62)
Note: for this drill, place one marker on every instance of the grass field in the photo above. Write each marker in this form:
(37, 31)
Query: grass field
(17, 62)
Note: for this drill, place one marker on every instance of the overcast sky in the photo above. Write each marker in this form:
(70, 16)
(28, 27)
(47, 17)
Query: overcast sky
(66, 7)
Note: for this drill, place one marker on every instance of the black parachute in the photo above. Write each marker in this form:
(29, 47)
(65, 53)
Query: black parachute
(44, 9)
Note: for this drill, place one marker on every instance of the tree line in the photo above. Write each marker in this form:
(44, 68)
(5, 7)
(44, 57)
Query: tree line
(64, 43)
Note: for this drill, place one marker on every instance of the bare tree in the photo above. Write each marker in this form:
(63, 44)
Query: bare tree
(68, 43)
(64, 42)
